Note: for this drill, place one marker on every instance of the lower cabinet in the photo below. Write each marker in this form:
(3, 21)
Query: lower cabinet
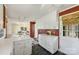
(22, 47)
(50, 43)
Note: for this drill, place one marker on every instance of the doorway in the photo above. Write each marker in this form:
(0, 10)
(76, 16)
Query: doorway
(32, 29)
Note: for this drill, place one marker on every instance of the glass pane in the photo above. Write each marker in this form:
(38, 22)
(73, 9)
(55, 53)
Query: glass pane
(64, 33)
(78, 30)
(64, 27)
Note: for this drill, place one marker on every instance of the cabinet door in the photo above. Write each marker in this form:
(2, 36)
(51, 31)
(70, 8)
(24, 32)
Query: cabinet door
(19, 47)
(19, 50)
(23, 47)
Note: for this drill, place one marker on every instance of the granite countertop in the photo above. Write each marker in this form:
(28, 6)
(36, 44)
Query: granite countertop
(20, 37)
(47, 35)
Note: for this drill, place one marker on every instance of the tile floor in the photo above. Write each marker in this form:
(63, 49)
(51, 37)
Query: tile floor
(38, 50)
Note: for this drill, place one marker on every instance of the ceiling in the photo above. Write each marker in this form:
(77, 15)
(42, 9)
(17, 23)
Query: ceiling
(32, 10)
(71, 19)
(27, 11)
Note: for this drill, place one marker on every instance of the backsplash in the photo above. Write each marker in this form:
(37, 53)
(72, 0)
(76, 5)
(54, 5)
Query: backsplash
(54, 32)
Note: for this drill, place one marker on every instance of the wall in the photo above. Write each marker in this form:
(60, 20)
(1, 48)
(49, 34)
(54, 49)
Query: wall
(50, 21)
(12, 22)
(68, 45)
(49, 42)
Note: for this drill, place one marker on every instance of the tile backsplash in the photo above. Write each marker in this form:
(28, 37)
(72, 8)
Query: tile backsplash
(54, 32)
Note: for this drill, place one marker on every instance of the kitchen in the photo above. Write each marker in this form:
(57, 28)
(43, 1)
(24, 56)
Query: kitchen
(25, 25)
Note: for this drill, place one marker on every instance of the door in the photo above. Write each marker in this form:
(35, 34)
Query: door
(32, 29)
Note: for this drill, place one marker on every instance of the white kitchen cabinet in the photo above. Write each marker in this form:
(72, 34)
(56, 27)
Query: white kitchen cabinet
(22, 47)
(49, 42)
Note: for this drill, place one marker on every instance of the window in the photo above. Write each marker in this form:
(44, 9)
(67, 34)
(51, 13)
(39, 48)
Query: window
(71, 30)
(65, 30)
(71, 25)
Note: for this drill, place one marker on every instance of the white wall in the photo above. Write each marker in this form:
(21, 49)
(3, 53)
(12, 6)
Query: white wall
(68, 45)
(11, 23)
(50, 21)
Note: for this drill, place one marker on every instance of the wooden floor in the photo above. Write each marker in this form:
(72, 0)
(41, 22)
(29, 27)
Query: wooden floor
(38, 50)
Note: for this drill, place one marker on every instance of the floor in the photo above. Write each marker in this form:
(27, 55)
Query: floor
(38, 50)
